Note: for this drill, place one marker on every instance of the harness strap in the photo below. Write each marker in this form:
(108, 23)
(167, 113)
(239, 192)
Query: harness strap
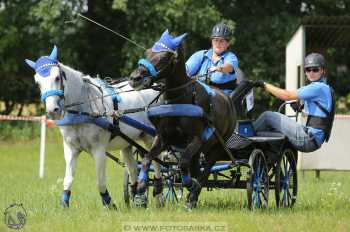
(143, 151)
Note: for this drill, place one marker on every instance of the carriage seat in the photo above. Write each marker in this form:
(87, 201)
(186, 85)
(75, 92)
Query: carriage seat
(238, 141)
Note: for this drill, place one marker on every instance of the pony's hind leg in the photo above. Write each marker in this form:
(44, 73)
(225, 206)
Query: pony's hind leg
(100, 162)
(189, 182)
(70, 156)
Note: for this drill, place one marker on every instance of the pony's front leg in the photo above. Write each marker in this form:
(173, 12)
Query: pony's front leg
(141, 198)
(191, 184)
(100, 161)
(70, 156)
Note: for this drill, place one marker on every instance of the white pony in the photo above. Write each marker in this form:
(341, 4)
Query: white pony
(83, 127)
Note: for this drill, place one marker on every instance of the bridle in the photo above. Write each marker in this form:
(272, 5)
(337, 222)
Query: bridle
(155, 74)
(55, 92)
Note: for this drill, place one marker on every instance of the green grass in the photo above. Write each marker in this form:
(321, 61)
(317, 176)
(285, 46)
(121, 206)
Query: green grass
(322, 205)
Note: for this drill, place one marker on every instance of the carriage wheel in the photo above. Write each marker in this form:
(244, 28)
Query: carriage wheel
(286, 181)
(258, 181)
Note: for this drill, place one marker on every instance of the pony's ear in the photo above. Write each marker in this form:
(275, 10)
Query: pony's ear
(165, 33)
(53, 55)
(178, 40)
(30, 63)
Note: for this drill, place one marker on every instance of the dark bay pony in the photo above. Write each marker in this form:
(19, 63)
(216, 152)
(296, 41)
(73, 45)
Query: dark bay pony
(190, 117)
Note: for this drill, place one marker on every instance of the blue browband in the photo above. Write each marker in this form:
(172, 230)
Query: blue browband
(51, 93)
(149, 66)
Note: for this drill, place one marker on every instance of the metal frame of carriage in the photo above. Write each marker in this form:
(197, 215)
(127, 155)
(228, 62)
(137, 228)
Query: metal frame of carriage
(266, 169)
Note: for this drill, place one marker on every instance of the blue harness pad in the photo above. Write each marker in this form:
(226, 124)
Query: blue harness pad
(181, 110)
(175, 110)
(138, 125)
(74, 119)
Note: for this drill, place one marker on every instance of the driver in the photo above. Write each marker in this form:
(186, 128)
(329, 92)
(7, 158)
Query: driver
(218, 62)
(319, 106)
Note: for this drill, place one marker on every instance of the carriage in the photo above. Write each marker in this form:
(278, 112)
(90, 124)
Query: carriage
(261, 162)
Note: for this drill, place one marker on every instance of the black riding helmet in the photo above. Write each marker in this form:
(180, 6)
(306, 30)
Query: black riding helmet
(221, 30)
(314, 60)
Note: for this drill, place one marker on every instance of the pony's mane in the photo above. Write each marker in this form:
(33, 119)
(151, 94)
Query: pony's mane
(78, 89)
(71, 71)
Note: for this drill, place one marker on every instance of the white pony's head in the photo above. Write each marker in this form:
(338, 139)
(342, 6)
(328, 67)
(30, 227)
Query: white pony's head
(50, 81)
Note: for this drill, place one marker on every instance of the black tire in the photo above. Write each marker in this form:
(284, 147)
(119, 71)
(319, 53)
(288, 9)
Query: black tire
(286, 179)
(258, 181)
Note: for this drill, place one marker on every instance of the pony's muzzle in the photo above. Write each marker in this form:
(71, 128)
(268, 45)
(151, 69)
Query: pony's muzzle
(53, 108)
(136, 79)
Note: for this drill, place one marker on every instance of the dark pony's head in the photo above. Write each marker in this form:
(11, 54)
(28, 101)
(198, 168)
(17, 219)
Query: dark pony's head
(159, 63)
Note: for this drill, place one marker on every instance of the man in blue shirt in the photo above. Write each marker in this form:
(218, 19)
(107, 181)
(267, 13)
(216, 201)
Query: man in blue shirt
(218, 63)
(319, 106)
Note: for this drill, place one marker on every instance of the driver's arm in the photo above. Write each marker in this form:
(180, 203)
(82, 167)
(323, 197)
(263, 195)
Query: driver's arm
(283, 94)
(225, 68)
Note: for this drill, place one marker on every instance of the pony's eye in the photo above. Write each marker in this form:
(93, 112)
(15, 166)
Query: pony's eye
(57, 79)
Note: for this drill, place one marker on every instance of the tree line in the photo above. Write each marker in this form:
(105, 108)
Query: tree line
(261, 29)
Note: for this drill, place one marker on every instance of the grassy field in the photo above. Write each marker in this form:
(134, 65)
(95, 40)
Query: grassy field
(322, 205)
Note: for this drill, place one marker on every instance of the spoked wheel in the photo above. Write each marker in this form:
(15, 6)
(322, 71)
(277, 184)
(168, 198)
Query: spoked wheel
(286, 184)
(258, 181)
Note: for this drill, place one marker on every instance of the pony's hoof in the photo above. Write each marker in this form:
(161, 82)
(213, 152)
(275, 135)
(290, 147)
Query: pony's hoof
(159, 200)
(111, 206)
(140, 200)
(192, 196)
(190, 205)
(64, 204)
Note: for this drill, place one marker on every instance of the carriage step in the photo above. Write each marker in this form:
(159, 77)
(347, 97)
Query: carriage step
(267, 136)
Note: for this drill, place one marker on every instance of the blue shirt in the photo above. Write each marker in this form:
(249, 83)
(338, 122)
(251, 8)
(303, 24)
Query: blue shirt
(316, 91)
(200, 62)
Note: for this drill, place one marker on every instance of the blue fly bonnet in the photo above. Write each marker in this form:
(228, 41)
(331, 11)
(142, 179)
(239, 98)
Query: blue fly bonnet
(44, 64)
(43, 67)
(168, 43)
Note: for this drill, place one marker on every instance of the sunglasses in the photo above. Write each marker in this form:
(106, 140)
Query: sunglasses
(315, 70)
